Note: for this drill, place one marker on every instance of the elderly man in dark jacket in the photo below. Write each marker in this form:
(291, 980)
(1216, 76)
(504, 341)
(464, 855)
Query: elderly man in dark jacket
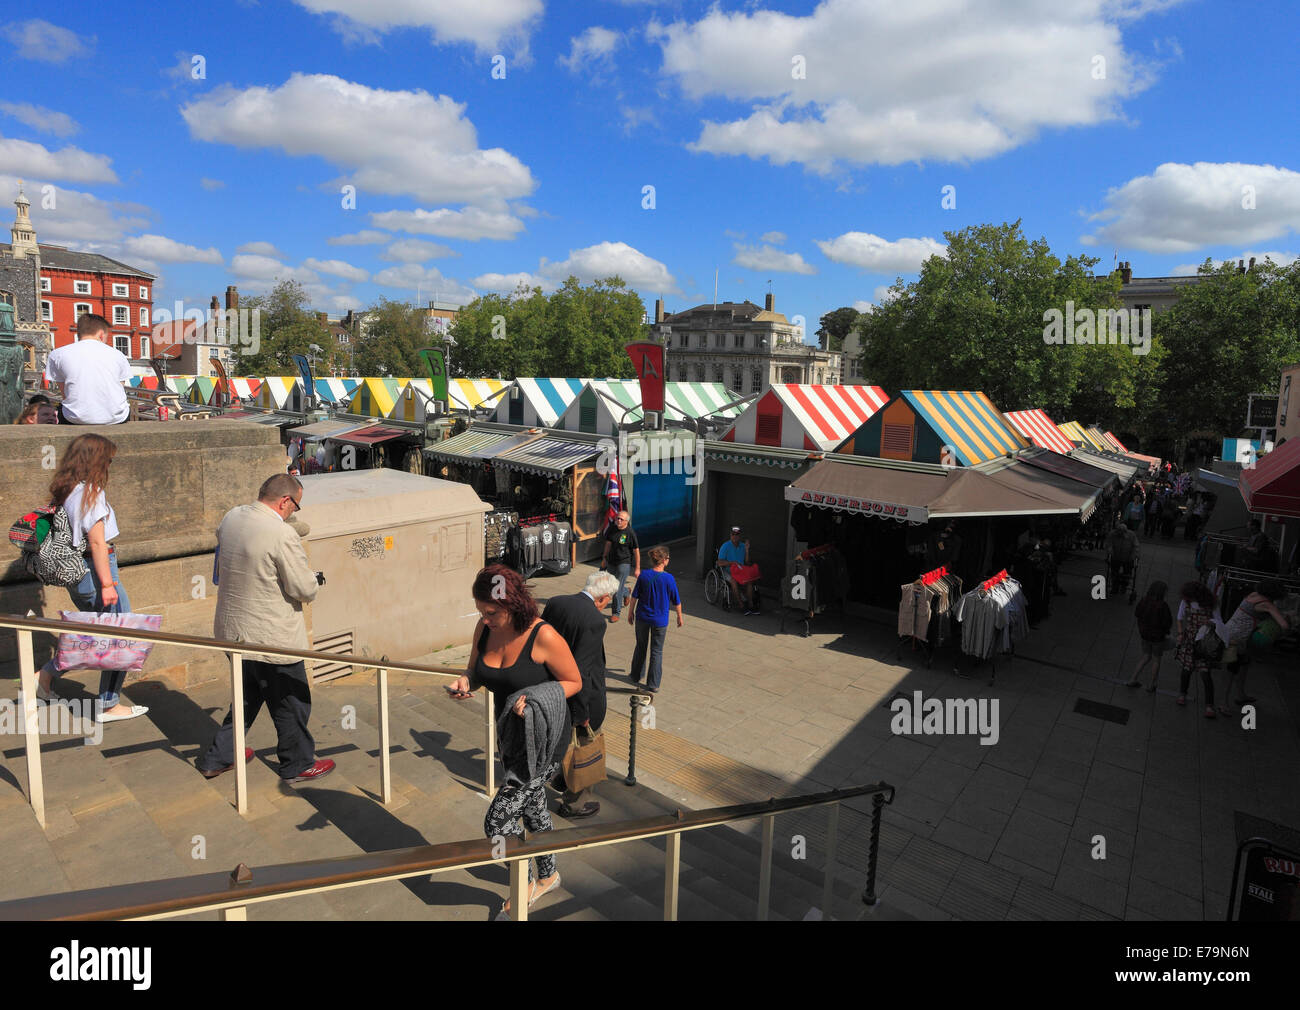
(579, 620)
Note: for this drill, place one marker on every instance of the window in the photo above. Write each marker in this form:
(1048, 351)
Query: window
(756, 381)
(45, 284)
(144, 317)
(47, 311)
(681, 373)
(80, 309)
(121, 315)
(144, 293)
(738, 380)
(717, 373)
(121, 291)
(719, 340)
(81, 288)
(686, 340)
(144, 347)
(699, 373)
(737, 340)
(123, 343)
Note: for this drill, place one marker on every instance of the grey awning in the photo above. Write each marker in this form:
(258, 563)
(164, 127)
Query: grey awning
(552, 457)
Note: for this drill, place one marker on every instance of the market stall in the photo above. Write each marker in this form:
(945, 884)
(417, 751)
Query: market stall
(958, 428)
(607, 406)
(375, 397)
(814, 418)
(536, 403)
(1040, 429)
(281, 392)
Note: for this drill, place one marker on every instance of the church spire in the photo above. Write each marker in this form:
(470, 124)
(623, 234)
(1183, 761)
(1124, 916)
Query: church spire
(22, 235)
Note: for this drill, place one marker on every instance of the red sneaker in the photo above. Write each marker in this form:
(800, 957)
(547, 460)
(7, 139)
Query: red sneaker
(317, 771)
(248, 756)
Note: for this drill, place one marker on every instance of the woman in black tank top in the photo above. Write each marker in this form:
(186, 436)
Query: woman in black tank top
(514, 648)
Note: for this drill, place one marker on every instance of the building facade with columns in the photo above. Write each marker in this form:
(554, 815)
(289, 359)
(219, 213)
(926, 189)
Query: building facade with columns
(20, 285)
(743, 346)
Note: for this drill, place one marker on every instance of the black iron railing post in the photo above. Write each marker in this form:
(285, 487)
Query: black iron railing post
(873, 851)
(634, 706)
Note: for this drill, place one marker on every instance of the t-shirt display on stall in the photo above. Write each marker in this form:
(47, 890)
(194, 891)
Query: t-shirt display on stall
(556, 538)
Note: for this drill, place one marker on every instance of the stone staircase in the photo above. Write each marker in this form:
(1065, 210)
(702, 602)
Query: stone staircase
(133, 808)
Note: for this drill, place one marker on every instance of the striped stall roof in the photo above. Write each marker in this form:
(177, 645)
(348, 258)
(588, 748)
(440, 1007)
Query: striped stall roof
(549, 456)
(375, 397)
(201, 390)
(545, 400)
(468, 446)
(1110, 437)
(812, 417)
(336, 390)
(1098, 440)
(1036, 426)
(245, 389)
(467, 394)
(1074, 432)
(968, 422)
(275, 391)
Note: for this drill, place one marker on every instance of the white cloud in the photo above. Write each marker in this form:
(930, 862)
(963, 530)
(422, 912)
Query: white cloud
(606, 259)
(25, 158)
(211, 184)
(485, 23)
(863, 306)
(60, 124)
(161, 249)
(878, 255)
(76, 217)
(429, 281)
(354, 128)
(337, 268)
(507, 283)
(775, 237)
(268, 269)
(261, 249)
(593, 49)
(1180, 208)
(768, 257)
(415, 250)
(884, 293)
(367, 236)
(471, 223)
(876, 82)
(40, 40)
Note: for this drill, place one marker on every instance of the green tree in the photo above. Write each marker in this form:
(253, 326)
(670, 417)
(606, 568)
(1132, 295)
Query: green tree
(837, 324)
(391, 338)
(286, 326)
(577, 331)
(975, 319)
(1228, 336)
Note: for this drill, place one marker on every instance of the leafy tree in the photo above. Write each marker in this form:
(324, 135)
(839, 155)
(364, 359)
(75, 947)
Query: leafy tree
(391, 338)
(975, 319)
(837, 324)
(287, 326)
(576, 331)
(1227, 336)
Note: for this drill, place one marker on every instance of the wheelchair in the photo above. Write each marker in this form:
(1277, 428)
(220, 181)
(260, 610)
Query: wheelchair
(1123, 576)
(717, 586)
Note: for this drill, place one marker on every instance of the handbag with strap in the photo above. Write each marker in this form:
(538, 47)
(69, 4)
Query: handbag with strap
(108, 651)
(584, 762)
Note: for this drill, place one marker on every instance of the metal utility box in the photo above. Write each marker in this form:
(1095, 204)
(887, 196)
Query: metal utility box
(399, 553)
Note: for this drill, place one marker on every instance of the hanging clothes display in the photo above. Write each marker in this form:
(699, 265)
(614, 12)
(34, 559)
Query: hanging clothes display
(925, 608)
(993, 617)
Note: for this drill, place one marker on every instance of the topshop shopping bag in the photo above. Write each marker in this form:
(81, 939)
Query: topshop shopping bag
(109, 651)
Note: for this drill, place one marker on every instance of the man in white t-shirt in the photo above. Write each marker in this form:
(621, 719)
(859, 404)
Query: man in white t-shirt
(91, 373)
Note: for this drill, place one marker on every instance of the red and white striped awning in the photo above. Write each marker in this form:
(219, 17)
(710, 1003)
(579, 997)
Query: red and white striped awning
(1110, 437)
(817, 418)
(1036, 426)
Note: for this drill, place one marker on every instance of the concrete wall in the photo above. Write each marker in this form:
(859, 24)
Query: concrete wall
(170, 485)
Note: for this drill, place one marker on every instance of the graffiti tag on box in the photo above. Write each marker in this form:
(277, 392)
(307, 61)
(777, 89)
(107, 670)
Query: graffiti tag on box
(367, 547)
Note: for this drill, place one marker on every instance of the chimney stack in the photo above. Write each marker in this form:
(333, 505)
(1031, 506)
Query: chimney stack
(659, 310)
(323, 316)
(214, 307)
(232, 297)
(769, 302)
(1252, 264)
(1126, 272)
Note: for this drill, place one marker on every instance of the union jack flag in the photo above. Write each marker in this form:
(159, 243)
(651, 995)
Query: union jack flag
(613, 495)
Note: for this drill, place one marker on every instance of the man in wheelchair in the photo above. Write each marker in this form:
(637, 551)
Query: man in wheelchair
(1121, 554)
(741, 576)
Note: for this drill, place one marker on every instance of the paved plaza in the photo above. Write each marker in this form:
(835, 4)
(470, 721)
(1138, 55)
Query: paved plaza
(746, 712)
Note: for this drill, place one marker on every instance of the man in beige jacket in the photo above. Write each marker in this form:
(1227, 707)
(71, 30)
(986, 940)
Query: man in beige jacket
(263, 581)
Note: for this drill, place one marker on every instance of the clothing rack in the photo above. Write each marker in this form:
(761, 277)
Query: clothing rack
(990, 583)
(537, 520)
(803, 610)
(926, 579)
(992, 660)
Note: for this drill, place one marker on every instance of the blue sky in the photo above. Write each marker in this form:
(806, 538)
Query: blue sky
(803, 143)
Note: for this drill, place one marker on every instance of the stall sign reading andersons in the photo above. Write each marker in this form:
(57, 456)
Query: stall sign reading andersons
(847, 503)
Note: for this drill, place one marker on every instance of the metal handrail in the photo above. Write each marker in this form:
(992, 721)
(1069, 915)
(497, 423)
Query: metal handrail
(235, 652)
(232, 893)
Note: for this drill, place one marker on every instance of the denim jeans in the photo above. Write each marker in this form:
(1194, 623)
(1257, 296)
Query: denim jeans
(648, 634)
(621, 572)
(85, 597)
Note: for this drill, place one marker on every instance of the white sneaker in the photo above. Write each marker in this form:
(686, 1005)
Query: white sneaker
(135, 713)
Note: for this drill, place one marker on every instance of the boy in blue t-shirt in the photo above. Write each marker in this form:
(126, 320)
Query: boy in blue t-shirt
(654, 595)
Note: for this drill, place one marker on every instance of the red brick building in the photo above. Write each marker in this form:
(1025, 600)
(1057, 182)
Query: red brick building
(73, 283)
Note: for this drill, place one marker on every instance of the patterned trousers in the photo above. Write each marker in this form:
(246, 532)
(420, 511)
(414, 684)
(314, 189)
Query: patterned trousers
(516, 807)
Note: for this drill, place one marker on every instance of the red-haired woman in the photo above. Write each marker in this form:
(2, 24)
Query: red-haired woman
(514, 649)
(79, 485)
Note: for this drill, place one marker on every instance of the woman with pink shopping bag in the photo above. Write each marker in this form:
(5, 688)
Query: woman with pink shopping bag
(79, 485)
